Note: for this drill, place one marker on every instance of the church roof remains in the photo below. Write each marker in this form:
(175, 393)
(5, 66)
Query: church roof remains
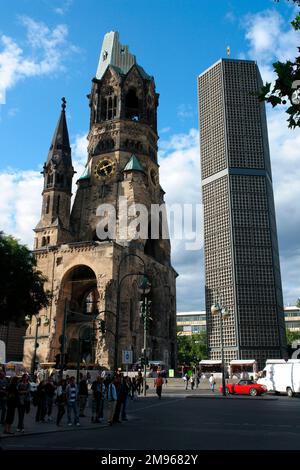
(60, 145)
(117, 55)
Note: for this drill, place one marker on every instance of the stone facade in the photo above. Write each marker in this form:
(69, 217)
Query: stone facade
(82, 269)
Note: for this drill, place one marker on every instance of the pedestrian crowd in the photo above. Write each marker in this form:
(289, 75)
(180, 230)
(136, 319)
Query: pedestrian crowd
(54, 397)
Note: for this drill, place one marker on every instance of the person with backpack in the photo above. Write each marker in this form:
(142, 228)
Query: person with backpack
(61, 400)
(158, 383)
(72, 395)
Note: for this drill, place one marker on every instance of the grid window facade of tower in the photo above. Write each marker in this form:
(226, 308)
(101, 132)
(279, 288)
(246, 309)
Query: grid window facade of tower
(212, 125)
(218, 261)
(243, 115)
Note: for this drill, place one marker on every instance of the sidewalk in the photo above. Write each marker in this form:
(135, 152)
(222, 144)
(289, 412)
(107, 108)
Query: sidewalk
(32, 427)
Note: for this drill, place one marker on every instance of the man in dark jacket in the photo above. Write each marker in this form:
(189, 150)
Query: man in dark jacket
(83, 394)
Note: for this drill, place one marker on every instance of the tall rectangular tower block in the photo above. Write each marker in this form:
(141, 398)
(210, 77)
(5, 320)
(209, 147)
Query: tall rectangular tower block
(240, 237)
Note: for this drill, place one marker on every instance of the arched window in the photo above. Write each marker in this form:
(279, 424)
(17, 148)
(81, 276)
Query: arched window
(57, 204)
(108, 107)
(49, 180)
(132, 108)
(47, 204)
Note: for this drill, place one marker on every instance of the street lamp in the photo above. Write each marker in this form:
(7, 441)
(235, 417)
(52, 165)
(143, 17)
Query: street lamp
(217, 309)
(145, 287)
(119, 285)
(36, 345)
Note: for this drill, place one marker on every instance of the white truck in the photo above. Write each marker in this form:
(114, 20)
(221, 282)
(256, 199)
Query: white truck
(282, 376)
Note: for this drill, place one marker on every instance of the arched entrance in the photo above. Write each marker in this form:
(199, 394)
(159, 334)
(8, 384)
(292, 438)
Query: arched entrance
(80, 294)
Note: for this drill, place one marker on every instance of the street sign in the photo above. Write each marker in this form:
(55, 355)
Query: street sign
(127, 357)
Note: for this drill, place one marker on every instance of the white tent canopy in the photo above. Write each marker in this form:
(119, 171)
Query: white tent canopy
(242, 362)
(208, 362)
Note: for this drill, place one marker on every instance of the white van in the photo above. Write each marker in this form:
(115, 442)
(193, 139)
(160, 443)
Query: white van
(282, 376)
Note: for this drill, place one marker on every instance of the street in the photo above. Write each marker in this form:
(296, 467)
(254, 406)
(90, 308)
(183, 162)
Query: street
(181, 422)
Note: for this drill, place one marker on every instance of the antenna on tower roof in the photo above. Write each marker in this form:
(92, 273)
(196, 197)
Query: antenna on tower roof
(228, 51)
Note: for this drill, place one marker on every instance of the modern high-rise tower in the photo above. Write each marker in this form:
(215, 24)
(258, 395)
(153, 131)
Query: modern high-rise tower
(240, 237)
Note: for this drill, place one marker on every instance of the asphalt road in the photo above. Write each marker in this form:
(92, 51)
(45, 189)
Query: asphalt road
(179, 423)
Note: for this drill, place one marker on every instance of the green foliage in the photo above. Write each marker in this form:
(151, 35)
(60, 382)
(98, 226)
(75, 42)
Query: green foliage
(291, 336)
(298, 303)
(21, 285)
(284, 88)
(191, 349)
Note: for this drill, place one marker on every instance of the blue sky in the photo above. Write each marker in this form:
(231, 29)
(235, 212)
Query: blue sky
(174, 40)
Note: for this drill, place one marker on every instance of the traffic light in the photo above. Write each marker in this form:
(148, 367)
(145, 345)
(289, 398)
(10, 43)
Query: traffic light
(141, 308)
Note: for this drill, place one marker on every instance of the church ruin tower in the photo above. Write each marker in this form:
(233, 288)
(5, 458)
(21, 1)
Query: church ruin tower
(53, 228)
(95, 274)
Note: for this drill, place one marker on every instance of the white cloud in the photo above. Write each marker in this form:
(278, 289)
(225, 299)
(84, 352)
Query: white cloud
(45, 50)
(21, 200)
(63, 8)
(180, 178)
(270, 38)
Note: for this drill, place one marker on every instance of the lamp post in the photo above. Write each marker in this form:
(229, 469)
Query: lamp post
(36, 345)
(217, 309)
(37, 324)
(145, 287)
(119, 285)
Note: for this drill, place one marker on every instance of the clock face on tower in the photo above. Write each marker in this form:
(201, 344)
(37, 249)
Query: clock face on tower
(105, 168)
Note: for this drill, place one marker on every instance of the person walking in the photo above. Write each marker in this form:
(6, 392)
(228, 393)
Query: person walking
(72, 395)
(61, 400)
(158, 383)
(112, 400)
(23, 388)
(3, 396)
(118, 386)
(125, 390)
(41, 402)
(186, 379)
(98, 389)
(197, 378)
(83, 394)
(192, 382)
(12, 403)
(212, 382)
(49, 397)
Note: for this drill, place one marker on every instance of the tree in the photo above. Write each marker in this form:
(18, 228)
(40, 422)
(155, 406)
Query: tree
(21, 285)
(286, 88)
(191, 349)
(298, 303)
(292, 336)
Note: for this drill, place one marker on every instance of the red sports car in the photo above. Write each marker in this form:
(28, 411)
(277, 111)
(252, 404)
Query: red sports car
(245, 387)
